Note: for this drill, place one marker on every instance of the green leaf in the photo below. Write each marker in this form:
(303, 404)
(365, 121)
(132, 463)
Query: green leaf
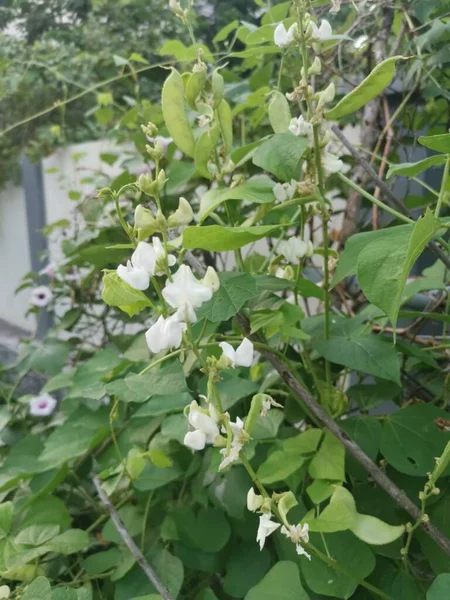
(36, 535)
(438, 143)
(235, 289)
(81, 432)
(347, 550)
(116, 292)
(282, 155)
(347, 264)
(369, 354)
(384, 265)
(257, 189)
(225, 31)
(47, 510)
(139, 388)
(440, 588)
(246, 566)
(413, 169)
(289, 457)
(6, 516)
(369, 88)
(218, 238)
(279, 111)
(39, 589)
(328, 463)
(102, 561)
(69, 542)
(50, 357)
(207, 529)
(374, 531)
(441, 464)
(371, 395)
(411, 440)
(88, 378)
(364, 431)
(404, 586)
(163, 405)
(339, 515)
(281, 582)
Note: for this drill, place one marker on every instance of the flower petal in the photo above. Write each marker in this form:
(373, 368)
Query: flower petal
(244, 354)
(195, 440)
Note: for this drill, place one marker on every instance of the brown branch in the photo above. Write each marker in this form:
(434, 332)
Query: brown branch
(389, 195)
(374, 471)
(128, 540)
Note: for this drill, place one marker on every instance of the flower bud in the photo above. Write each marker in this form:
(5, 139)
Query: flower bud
(104, 192)
(182, 216)
(150, 129)
(326, 96)
(145, 184)
(254, 501)
(144, 222)
(211, 279)
(161, 180)
(316, 67)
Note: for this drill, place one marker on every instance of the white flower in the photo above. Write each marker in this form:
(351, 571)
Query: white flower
(41, 296)
(316, 67)
(285, 191)
(211, 279)
(266, 527)
(185, 289)
(42, 406)
(165, 334)
(4, 592)
(242, 356)
(237, 443)
(326, 96)
(160, 256)
(294, 249)
(331, 163)
(336, 6)
(205, 427)
(301, 127)
(296, 533)
(322, 33)
(283, 38)
(254, 501)
(139, 279)
(182, 216)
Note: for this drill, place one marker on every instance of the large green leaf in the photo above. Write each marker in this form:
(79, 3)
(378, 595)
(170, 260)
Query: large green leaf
(329, 461)
(281, 582)
(83, 431)
(340, 514)
(364, 431)
(367, 353)
(413, 169)
(373, 531)
(404, 586)
(411, 439)
(246, 566)
(116, 292)
(50, 357)
(206, 530)
(384, 265)
(88, 380)
(6, 516)
(369, 88)
(348, 260)
(258, 190)
(235, 289)
(39, 589)
(438, 143)
(138, 388)
(289, 456)
(282, 155)
(371, 395)
(221, 239)
(348, 551)
(440, 588)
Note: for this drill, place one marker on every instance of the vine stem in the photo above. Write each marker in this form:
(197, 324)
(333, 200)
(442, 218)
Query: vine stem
(129, 542)
(443, 190)
(321, 188)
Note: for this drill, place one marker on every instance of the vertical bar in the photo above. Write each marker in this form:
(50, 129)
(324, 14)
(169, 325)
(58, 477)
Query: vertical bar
(35, 207)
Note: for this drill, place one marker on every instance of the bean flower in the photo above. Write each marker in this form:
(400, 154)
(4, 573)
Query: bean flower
(300, 126)
(297, 533)
(206, 430)
(240, 436)
(285, 191)
(242, 356)
(295, 249)
(165, 334)
(266, 528)
(322, 33)
(186, 292)
(42, 405)
(283, 38)
(145, 262)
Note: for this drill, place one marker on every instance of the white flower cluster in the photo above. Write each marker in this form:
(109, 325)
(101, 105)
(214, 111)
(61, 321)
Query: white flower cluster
(296, 533)
(294, 249)
(284, 38)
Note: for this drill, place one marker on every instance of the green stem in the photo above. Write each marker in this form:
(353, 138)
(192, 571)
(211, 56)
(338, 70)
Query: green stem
(374, 200)
(124, 224)
(443, 190)
(280, 72)
(160, 360)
